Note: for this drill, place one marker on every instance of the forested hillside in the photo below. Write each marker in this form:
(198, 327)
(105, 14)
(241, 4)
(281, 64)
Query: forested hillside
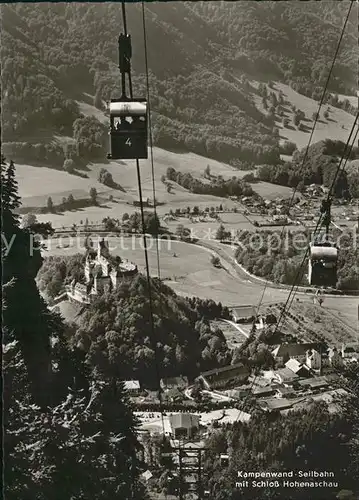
(320, 167)
(291, 41)
(115, 331)
(201, 57)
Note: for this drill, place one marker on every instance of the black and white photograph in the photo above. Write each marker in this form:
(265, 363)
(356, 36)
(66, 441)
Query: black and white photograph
(179, 245)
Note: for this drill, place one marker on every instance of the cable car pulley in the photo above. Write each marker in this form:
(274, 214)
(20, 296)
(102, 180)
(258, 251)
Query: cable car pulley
(128, 115)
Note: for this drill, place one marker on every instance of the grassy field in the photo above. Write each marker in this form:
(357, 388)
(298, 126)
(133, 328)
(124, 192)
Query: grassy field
(336, 127)
(37, 184)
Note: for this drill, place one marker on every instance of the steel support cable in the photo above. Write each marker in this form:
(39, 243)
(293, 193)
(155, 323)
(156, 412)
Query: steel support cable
(312, 133)
(297, 278)
(307, 148)
(331, 188)
(150, 136)
(149, 286)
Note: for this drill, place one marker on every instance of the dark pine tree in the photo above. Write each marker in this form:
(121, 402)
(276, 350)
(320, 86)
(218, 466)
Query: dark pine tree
(66, 434)
(26, 316)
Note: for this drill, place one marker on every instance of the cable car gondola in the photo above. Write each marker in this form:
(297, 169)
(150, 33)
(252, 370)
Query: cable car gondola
(128, 129)
(323, 255)
(128, 115)
(323, 258)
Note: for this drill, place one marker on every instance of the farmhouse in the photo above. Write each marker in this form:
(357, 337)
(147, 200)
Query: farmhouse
(236, 393)
(276, 404)
(314, 383)
(174, 395)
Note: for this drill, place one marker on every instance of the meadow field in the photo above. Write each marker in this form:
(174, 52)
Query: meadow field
(336, 127)
(36, 184)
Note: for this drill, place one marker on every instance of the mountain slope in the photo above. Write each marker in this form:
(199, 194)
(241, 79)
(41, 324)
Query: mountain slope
(52, 53)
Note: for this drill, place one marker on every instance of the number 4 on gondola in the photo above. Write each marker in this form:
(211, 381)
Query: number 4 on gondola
(128, 129)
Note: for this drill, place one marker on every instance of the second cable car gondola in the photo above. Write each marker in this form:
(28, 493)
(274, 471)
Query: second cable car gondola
(323, 258)
(128, 129)
(323, 255)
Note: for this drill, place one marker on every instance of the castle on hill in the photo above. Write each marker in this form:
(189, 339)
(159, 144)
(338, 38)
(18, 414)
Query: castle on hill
(103, 273)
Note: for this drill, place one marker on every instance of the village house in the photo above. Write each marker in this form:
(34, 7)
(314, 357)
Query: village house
(220, 376)
(335, 357)
(261, 392)
(236, 393)
(350, 351)
(314, 383)
(78, 292)
(180, 382)
(276, 404)
(298, 368)
(244, 314)
(285, 376)
(145, 202)
(284, 392)
(174, 395)
(133, 387)
(284, 352)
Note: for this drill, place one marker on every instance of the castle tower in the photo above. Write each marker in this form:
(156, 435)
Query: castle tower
(102, 249)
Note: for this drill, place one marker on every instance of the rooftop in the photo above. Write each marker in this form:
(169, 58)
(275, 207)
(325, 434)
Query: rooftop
(263, 390)
(294, 349)
(131, 385)
(293, 365)
(228, 416)
(314, 382)
(224, 369)
(244, 311)
(180, 381)
(284, 390)
(286, 374)
(276, 404)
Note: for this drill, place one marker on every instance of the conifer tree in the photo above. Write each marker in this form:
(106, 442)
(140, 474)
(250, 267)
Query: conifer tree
(81, 442)
(26, 316)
